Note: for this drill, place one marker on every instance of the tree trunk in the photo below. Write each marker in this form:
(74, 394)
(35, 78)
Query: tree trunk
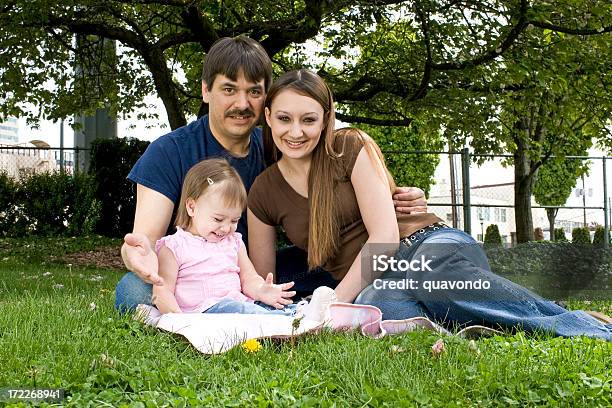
(162, 78)
(551, 213)
(523, 185)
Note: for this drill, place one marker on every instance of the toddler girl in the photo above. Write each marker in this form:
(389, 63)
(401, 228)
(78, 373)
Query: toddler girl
(205, 266)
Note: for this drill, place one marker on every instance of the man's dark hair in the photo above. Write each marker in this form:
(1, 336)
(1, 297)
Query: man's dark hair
(228, 56)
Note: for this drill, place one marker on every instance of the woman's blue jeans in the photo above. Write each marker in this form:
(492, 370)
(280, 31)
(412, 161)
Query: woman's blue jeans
(455, 256)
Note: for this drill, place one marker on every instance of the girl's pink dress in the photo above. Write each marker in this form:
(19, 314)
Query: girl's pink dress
(208, 271)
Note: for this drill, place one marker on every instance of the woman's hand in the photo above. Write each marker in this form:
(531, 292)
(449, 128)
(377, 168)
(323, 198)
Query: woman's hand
(277, 296)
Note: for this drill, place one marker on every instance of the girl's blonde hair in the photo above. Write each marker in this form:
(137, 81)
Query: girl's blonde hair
(207, 176)
(325, 169)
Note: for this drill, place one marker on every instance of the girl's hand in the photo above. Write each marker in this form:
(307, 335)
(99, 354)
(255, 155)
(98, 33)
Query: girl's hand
(276, 296)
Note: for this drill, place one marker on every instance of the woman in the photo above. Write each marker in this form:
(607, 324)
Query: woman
(330, 191)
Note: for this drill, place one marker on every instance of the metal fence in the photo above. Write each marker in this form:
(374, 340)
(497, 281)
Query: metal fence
(490, 187)
(20, 161)
(490, 195)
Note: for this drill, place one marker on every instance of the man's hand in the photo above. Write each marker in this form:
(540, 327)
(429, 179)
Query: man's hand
(140, 258)
(275, 295)
(409, 200)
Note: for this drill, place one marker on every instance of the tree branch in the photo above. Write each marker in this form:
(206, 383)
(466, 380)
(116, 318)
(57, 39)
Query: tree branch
(421, 90)
(490, 55)
(171, 40)
(373, 121)
(102, 30)
(200, 26)
(179, 3)
(567, 30)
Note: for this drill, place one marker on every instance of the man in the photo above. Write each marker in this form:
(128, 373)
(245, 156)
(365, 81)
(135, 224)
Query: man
(236, 74)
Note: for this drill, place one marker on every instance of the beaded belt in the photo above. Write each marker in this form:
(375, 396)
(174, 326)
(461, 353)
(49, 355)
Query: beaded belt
(420, 234)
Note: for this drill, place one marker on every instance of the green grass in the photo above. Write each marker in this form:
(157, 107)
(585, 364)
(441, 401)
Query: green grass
(70, 337)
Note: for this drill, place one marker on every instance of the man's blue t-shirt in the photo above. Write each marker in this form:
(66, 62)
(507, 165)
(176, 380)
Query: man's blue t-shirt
(167, 160)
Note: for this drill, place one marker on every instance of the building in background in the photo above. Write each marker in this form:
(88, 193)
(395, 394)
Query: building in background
(9, 132)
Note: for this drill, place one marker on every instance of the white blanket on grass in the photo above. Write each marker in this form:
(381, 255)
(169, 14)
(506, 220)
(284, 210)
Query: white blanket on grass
(212, 333)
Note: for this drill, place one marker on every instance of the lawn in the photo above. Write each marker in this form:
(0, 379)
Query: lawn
(58, 329)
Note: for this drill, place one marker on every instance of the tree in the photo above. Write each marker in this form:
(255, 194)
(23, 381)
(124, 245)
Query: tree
(492, 236)
(581, 236)
(504, 76)
(599, 237)
(545, 91)
(562, 106)
(555, 181)
(383, 55)
(559, 235)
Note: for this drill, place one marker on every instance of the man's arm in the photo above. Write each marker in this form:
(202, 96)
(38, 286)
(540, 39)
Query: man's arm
(151, 221)
(409, 200)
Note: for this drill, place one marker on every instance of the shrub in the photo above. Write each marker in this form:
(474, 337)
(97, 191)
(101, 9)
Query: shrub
(492, 236)
(560, 235)
(598, 238)
(8, 207)
(581, 236)
(55, 204)
(111, 161)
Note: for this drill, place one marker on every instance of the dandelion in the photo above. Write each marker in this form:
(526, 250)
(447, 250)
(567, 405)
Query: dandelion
(33, 372)
(295, 324)
(107, 360)
(438, 348)
(251, 346)
(92, 306)
(473, 347)
(397, 349)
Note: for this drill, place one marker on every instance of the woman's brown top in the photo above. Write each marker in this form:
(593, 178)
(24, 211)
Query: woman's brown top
(275, 203)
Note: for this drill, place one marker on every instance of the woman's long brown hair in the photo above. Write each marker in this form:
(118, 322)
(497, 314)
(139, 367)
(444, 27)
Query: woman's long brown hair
(324, 228)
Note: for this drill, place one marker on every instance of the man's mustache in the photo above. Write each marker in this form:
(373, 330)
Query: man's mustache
(236, 112)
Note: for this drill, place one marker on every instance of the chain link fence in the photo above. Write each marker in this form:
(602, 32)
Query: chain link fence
(491, 196)
(21, 161)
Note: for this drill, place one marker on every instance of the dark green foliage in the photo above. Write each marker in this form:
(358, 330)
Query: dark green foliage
(8, 189)
(556, 270)
(111, 161)
(492, 236)
(49, 204)
(581, 236)
(407, 169)
(560, 235)
(598, 238)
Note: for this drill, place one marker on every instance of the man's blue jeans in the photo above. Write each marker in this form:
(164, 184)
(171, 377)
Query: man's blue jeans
(291, 265)
(456, 256)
